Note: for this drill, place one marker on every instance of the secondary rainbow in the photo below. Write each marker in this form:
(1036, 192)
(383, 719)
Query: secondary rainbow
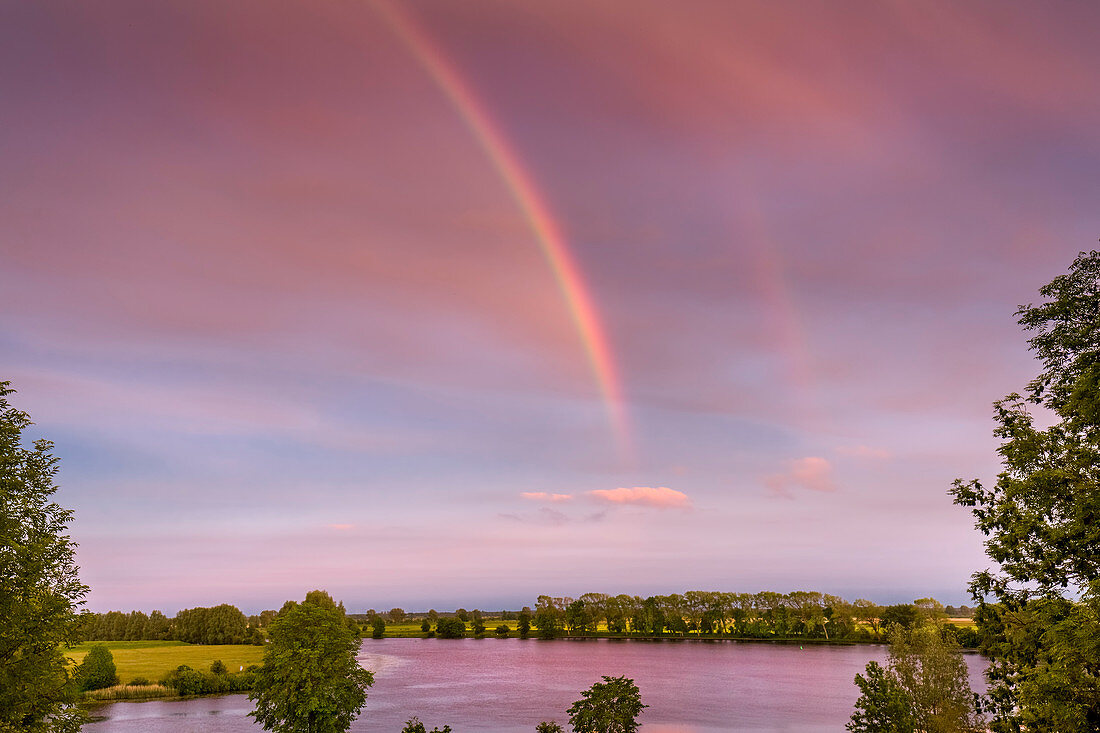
(531, 202)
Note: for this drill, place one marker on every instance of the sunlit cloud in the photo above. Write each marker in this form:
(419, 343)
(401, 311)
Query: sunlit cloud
(812, 473)
(545, 496)
(660, 497)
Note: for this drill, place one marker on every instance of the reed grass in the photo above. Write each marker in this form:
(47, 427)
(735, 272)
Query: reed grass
(129, 692)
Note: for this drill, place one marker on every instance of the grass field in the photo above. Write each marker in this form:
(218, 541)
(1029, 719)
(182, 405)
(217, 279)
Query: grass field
(154, 659)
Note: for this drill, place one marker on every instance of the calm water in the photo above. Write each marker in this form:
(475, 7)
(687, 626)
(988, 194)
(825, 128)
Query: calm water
(508, 685)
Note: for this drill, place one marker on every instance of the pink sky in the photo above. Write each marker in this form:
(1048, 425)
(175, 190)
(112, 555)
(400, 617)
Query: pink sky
(289, 323)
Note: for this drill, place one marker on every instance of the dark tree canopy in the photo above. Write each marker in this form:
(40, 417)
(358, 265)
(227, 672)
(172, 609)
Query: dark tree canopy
(97, 670)
(310, 681)
(40, 592)
(1041, 520)
(611, 706)
(450, 627)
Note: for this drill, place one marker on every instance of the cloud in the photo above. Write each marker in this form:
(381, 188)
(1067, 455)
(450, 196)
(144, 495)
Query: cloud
(812, 472)
(660, 497)
(544, 496)
(864, 451)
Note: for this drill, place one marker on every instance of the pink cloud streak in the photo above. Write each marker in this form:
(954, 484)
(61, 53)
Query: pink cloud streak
(544, 496)
(660, 497)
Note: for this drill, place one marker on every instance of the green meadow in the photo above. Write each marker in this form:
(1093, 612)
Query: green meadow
(155, 659)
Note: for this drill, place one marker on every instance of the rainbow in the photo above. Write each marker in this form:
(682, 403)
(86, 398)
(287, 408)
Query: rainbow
(531, 202)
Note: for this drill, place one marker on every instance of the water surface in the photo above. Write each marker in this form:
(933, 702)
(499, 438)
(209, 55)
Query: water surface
(509, 685)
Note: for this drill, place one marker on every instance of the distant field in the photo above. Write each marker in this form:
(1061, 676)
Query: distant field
(154, 659)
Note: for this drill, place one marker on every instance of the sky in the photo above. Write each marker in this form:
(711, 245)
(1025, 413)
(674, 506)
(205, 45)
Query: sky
(436, 304)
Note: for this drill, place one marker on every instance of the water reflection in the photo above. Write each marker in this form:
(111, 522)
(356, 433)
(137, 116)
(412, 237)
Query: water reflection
(507, 686)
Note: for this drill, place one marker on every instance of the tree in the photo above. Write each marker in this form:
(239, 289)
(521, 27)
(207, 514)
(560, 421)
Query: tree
(924, 688)
(397, 615)
(310, 681)
(425, 626)
(548, 617)
(449, 627)
(1041, 520)
(883, 706)
(413, 725)
(477, 624)
(378, 628)
(611, 706)
(523, 623)
(98, 669)
(549, 726)
(905, 615)
(40, 591)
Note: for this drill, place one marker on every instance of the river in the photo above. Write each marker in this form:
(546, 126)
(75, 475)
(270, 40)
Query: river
(509, 685)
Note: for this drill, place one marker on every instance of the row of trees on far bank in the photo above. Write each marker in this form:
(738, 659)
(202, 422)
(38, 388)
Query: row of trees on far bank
(222, 624)
(767, 614)
(763, 615)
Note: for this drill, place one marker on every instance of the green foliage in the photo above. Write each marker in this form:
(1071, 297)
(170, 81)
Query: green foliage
(905, 615)
(187, 681)
(224, 624)
(611, 706)
(40, 591)
(523, 623)
(413, 725)
(139, 682)
(217, 667)
(378, 628)
(548, 726)
(924, 688)
(477, 625)
(450, 627)
(503, 630)
(98, 669)
(883, 706)
(425, 626)
(1037, 612)
(310, 679)
(549, 616)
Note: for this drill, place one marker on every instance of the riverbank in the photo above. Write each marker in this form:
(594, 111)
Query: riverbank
(412, 630)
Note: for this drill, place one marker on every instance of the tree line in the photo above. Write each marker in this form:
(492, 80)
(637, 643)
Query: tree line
(763, 615)
(221, 624)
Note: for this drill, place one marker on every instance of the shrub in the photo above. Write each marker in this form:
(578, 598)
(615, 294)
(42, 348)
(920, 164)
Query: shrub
(450, 628)
(503, 630)
(218, 667)
(139, 682)
(98, 669)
